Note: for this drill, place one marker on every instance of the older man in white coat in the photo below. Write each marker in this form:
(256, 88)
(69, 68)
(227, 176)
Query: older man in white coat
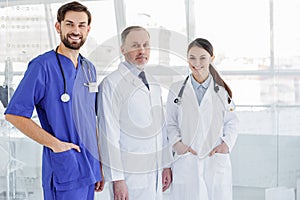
(131, 122)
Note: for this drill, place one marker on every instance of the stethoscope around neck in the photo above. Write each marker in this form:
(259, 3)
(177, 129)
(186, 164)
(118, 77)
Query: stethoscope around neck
(177, 100)
(65, 97)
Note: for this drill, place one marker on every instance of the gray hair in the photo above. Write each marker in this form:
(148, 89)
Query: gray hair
(127, 30)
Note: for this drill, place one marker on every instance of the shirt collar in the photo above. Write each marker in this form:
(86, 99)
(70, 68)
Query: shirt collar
(197, 85)
(132, 68)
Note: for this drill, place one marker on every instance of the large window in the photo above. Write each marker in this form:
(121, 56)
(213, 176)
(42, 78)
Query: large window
(256, 47)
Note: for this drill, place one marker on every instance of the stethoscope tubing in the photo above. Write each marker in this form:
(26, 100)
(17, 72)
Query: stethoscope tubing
(65, 97)
(179, 96)
(61, 70)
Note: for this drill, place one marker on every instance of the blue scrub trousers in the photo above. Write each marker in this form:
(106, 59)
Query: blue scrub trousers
(85, 193)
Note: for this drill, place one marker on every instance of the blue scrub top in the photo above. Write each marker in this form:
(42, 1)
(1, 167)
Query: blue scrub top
(73, 121)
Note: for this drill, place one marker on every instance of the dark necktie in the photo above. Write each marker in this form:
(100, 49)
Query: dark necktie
(143, 77)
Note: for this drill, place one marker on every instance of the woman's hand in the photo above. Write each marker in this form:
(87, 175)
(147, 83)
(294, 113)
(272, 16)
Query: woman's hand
(181, 148)
(222, 148)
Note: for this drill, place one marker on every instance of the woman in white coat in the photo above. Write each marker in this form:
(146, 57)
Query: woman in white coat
(202, 127)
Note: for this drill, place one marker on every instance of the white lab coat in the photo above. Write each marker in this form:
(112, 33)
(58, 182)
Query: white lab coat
(202, 127)
(130, 126)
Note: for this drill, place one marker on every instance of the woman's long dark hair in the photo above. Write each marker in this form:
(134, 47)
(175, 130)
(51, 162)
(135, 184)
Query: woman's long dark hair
(206, 45)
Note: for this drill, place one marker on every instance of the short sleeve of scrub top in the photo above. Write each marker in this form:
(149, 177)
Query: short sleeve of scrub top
(29, 92)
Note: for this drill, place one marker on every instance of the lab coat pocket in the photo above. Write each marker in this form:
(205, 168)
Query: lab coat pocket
(221, 161)
(65, 166)
(221, 169)
(221, 177)
(182, 168)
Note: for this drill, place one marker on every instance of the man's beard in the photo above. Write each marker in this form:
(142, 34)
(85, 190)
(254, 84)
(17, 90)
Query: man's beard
(73, 46)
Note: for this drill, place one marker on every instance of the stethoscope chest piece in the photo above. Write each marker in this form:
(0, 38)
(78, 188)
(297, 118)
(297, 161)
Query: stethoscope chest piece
(65, 97)
(177, 100)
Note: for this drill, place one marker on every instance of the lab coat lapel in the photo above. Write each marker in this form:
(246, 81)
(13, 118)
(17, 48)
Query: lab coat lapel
(131, 78)
(189, 114)
(211, 120)
(201, 125)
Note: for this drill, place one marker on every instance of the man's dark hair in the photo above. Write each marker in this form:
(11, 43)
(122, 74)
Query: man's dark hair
(73, 6)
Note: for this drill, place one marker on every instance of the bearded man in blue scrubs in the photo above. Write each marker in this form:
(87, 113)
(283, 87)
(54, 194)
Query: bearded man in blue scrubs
(61, 85)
